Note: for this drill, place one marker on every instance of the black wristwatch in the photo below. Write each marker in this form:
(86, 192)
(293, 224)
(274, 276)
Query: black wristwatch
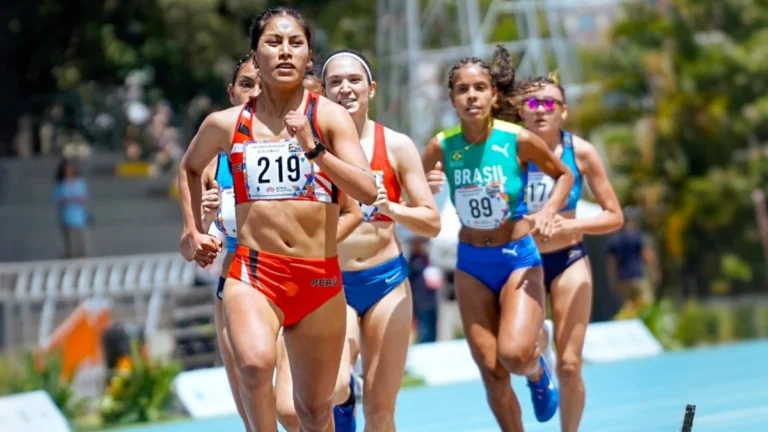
(315, 152)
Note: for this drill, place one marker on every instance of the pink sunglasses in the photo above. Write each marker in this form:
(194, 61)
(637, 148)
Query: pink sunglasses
(549, 104)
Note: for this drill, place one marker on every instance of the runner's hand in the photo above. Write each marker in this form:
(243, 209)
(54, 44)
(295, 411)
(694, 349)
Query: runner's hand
(382, 201)
(563, 226)
(297, 126)
(543, 223)
(436, 178)
(206, 247)
(211, 202)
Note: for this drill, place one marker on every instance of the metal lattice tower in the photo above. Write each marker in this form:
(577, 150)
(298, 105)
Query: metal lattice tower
(417, 43)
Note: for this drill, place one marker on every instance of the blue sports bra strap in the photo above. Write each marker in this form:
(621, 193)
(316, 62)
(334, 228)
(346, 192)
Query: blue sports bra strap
(566, 138)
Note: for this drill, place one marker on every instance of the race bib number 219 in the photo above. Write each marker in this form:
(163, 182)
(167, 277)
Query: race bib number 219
(276, 170)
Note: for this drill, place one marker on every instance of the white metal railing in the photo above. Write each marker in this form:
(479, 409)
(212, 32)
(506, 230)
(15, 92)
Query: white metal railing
(145, 278)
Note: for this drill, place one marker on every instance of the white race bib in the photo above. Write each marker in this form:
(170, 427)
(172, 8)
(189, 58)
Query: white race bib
(370, 212)
(482, 207)
(225, 219)
(277, 170)
(538, 191)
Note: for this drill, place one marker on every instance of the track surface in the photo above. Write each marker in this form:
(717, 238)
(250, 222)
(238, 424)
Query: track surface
(727, 385)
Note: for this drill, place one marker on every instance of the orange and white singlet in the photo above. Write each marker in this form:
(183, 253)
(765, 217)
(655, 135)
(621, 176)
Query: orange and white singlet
(277, 169)
(384, 174)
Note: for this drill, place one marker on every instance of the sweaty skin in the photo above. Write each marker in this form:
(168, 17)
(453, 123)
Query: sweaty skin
(571, 291)
(284, 228)
(382, 334)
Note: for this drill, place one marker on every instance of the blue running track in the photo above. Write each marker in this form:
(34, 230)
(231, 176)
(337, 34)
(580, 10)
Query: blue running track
(728, 385)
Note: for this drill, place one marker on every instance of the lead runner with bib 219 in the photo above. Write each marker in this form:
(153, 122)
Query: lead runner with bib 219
(499, 278)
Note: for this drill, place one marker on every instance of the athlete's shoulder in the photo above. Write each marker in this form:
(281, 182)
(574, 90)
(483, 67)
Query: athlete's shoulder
(326, 107)
(395, 139)
(582, 148)
(224, 117)
(506, 126)
(587, 157)
(451, 132)
(222, 121)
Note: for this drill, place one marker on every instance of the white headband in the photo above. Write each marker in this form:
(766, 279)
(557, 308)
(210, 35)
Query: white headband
(348, 54)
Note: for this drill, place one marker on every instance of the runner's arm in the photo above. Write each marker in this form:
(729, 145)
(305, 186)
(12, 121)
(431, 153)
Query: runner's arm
(611, 218)
(420, 215)
(205, 145)
(206, 180)
(350, 217)
(433, 155)
(345, 163)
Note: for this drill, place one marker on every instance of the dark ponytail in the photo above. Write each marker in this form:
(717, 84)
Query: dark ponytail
(503, 73)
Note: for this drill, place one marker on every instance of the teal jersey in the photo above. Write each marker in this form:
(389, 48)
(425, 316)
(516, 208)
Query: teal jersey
(487, 184)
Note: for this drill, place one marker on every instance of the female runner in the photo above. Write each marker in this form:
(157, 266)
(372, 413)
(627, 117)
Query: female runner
(344, 396)
(499, 278)
(567, 274)
(220, 217)
(375, 271)
(244, 85)
(290, 152)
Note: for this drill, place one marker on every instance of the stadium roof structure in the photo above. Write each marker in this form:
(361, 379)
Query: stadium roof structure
(417, 43)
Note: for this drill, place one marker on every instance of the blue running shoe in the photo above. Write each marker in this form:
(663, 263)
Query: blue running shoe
(544, 394)
(344, 414)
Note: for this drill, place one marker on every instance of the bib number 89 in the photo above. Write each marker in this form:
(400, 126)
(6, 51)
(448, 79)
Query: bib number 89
(480, 207)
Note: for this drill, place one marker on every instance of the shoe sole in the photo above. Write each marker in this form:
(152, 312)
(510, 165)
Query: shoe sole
(549, 354)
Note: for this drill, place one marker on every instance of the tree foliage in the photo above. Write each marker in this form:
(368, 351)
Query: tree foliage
(683, 114)
(186, 45)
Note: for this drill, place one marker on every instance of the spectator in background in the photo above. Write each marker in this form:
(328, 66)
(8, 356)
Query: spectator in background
(630, 263)
(53, 119)
(424, 289)
(132, 143)
(70, 195)
(167, 147)
(25, 137)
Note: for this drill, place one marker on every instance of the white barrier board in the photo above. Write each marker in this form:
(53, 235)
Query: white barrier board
(444, 362)
(32, 411)
(451, 362)
(619, 340)
(205, 393)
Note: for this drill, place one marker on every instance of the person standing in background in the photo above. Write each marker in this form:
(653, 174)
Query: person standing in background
(629, 258)
(424, 291)
(70, 195)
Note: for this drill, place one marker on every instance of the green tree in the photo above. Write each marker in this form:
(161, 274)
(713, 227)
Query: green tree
(683, 113)
(186, 44)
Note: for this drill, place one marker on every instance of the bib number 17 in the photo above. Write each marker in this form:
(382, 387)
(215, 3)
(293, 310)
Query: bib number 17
(480, 207)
